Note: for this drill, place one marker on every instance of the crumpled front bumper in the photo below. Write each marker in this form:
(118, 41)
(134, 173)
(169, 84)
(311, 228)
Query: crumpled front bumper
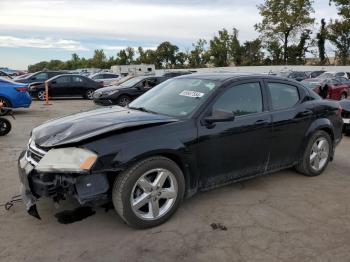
(24, 169)
(87, 188)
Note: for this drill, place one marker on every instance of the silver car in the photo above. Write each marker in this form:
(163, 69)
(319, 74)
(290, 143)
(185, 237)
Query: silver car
(106, 78)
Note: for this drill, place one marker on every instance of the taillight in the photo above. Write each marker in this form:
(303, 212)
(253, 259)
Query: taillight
(21, 89)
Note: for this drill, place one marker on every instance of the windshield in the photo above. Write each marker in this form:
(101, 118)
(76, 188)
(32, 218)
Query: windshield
(132, 82)
(175, 97)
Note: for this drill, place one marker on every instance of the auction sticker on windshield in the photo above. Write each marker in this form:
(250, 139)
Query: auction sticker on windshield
(194, 94)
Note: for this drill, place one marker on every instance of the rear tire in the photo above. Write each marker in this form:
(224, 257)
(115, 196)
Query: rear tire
(148, 194)
(317, 155)
(5, 127)
(123, 100)
(6, 103)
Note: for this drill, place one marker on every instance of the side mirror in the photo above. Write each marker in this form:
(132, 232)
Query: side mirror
(33, 78)
(220, 116)
(54, 82)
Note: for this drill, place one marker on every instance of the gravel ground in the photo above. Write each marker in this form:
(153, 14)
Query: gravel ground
(281, 217)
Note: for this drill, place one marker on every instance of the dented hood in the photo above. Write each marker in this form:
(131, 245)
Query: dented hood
(78, 127)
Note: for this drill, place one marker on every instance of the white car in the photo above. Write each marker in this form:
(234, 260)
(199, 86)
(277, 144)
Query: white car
(330, 74)
(106, 78)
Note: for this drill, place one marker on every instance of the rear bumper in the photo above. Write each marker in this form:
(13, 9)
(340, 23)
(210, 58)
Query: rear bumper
(22, 100)
(87, 189)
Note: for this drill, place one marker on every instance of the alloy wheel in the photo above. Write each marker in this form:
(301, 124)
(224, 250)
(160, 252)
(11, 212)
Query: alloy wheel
(124, 101)
(90, 94)
(319, 154)
(154, 194)
(41, 95)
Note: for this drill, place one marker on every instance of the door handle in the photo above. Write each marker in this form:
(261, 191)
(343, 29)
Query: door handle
(261, 122)
(306, 113)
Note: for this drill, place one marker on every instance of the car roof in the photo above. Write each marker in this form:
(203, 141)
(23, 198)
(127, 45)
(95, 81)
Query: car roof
(223, 77)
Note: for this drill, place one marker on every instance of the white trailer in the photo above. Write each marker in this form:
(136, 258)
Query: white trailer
(134, 70)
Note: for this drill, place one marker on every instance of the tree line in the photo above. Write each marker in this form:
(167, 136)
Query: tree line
(285, 38)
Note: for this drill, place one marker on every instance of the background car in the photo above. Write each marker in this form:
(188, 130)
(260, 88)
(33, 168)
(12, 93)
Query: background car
(343, 80)
(14, 95)
(105, 78)
(39, 77)
(5, 75)
(314, 74)
(328, 88)
(66, 86)
(330, 74)
(124, 93)
(296, 75)
(177, 73)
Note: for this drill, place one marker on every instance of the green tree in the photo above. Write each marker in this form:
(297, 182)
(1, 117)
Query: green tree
(252, 53)
(235, 49)
(166, 54)
(283, 20)
(219, 48)
(297, 52)
(99, 59)
(275, 52)
(126, 56)
(321, 42)
(198, 57)
(339, 35)
(339, 31)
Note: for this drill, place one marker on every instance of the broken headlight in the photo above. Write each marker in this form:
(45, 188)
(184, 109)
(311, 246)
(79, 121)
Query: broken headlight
(68, 160)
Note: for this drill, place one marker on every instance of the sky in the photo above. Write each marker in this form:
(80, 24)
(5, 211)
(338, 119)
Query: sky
(35, 30)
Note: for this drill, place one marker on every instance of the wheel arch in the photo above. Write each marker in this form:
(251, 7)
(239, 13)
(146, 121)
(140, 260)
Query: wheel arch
(171, 154)
(8, 98)
(322, 124)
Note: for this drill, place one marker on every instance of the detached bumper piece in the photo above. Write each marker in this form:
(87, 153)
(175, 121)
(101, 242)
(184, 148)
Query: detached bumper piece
(87, 188)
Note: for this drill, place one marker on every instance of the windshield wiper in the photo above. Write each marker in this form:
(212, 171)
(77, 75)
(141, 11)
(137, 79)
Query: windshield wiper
(142, 109)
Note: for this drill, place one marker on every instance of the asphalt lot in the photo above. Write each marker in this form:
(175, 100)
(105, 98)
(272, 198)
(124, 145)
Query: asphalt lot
(281, 217)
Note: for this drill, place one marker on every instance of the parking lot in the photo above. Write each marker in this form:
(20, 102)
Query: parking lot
(281, 217)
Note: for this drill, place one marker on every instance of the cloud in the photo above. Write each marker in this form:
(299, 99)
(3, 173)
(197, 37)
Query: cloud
(47, 43)
(120, 47)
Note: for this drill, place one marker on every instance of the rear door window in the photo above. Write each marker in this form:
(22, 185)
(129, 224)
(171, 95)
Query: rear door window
(283, 95)
(63, 79)
(77, 79)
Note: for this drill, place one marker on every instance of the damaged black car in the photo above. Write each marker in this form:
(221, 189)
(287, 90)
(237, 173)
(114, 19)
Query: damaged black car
(186, 135)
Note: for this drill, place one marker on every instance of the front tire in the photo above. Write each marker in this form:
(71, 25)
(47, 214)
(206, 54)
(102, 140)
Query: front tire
(147, 194)
(41, 95)
(123, 100)
(317, 155)
(89, 94)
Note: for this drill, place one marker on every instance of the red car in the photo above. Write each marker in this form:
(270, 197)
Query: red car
(328, 88)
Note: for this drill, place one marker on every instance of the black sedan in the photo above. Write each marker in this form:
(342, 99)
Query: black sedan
(123, 94)
(66, 85)
(186, 135)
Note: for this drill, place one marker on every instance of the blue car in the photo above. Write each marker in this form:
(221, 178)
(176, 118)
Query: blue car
(14, 94)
